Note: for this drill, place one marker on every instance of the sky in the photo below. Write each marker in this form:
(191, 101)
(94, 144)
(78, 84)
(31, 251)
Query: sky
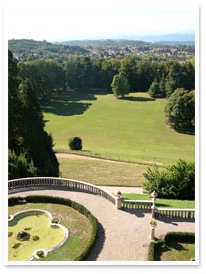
(95, 21)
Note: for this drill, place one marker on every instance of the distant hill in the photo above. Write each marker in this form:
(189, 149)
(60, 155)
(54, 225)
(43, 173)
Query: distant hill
(170, 38)
(104, 42)
(128, 39)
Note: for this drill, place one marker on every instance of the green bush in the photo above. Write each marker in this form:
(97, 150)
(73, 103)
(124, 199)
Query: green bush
(75, 143)
(175, 182)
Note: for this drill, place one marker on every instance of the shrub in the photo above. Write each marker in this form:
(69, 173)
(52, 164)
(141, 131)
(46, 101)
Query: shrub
(75, 143)
(175, 182)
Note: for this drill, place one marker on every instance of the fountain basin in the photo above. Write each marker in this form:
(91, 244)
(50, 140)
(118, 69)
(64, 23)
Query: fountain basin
(43, 234)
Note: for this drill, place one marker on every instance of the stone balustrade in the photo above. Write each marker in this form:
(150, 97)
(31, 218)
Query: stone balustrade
(51, 182)
(136, 204)
(68, 184)
(175, 213)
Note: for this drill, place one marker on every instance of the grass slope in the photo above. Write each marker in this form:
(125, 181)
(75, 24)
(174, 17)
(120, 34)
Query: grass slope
(132, 129)
(101, 172)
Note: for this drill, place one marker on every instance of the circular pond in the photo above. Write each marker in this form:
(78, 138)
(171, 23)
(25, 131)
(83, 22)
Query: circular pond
(31, 231)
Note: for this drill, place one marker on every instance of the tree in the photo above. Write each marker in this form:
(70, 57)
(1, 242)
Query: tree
(13, 103)
(36, 141)
(174, 79)
(20, 166)
(180, 110)
(120, 85)
(154, 89)
(175, 182)
(26, 130)
(128, 65)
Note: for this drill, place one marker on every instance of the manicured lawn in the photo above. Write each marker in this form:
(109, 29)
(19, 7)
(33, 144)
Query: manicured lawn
(78, 225)
(132, 129)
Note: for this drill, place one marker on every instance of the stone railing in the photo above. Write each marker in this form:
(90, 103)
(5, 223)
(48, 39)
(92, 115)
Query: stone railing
(136, 204)
(51, 182)
(175, 213)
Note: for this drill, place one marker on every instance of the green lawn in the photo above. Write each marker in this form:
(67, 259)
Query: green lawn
(99, 172)
(132, 129)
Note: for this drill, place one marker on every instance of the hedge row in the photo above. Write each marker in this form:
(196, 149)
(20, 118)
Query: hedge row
(182, 237)
(58, 200)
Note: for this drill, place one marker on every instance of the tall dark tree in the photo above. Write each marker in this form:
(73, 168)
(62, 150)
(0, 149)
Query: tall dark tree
(174, 79)
(13, 102)
(27, 137)
(37, 142)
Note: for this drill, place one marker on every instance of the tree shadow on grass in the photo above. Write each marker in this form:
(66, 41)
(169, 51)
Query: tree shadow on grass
(137, 99)
(66, 108)
(163, 248)
(68, 105)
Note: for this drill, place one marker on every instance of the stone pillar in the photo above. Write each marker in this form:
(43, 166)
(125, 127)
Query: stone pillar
(152, 232)
(153, 207)
(153, 211)
(118, 202)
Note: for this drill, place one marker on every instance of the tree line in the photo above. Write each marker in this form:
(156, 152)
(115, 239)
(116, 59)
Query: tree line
(84, 73)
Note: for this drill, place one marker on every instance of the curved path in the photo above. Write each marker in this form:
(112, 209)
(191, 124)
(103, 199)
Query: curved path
(123, 235)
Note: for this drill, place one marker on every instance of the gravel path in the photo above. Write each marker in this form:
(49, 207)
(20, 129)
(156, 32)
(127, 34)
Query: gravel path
(114, 189)
(124, 235)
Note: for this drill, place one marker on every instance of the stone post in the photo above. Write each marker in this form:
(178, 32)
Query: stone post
(118, 199)
(154, 195)
(118, 202)
(152, 232)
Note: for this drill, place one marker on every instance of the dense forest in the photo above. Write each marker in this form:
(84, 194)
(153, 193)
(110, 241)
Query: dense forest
(84, 73)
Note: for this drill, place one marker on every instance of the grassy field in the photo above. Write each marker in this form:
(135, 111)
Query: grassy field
(100, 172)
(132, 129)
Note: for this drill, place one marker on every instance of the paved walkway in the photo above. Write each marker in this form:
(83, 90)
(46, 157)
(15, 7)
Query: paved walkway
(124, 235)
